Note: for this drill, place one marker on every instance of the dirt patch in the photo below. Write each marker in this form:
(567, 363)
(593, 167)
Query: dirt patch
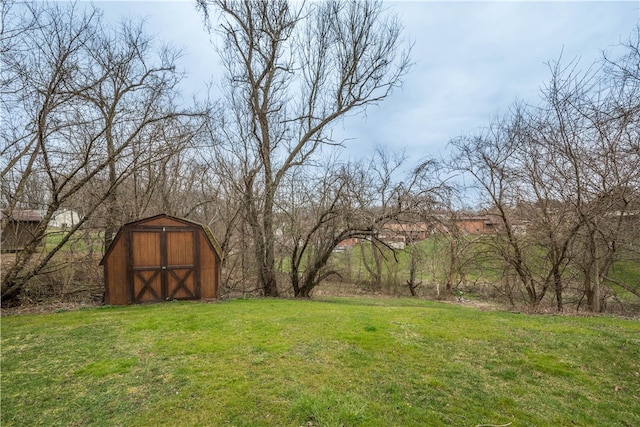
(480, 305)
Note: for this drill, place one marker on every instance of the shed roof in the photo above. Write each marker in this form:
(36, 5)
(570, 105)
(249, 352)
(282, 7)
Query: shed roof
(23, 215)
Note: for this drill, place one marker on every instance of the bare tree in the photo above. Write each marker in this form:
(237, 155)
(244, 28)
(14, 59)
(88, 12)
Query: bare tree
(86, 107)
(461, 253)
(416, 258)
(293, 70)
(562, 178)
(345, 202)
(491, 160)
(614, 167)
(587, 127)
(134, 97)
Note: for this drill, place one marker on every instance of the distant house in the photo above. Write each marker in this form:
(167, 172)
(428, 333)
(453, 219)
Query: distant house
(64, 218)
(346, 244)
(19, 228)
(475, 224)
(397, 233)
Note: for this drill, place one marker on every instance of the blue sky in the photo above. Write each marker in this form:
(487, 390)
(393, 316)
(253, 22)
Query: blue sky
(472, 60)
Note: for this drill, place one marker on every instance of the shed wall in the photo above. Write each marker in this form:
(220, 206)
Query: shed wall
(17, 234)
(115, 271)
(208, 270)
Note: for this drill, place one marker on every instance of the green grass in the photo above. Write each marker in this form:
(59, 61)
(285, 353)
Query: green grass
(432, 262)
(625, 271)
(368, 362)
(76, 244)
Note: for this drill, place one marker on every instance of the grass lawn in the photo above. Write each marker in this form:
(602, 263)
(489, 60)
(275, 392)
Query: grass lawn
(269, 362)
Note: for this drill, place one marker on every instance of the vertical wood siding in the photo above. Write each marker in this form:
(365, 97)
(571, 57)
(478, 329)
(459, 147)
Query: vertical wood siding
(161, 258)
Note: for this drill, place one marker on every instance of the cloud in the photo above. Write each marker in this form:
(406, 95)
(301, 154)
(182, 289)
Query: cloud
(473, 59)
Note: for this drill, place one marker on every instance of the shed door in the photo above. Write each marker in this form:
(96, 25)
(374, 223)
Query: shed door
(164, 264)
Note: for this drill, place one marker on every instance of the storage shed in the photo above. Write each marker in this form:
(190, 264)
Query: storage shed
(159, 259)
(19, 228)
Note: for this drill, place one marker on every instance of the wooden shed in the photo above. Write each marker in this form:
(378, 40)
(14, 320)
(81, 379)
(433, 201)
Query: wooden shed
(19, 228)
(159, 259)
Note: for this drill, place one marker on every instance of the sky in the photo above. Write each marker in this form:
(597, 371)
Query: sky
(472, 60)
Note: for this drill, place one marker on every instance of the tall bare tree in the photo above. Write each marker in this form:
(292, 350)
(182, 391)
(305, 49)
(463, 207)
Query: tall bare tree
(293, 70)
(134, 99)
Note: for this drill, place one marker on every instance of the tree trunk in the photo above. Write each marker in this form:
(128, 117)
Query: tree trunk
(557, 281)
(268, 274)
(375, 271)
(411, 283)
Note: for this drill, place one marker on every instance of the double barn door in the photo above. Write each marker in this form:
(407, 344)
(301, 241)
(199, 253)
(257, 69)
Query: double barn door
(163, 264)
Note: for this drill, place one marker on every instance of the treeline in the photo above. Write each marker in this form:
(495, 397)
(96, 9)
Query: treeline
(93, 121)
